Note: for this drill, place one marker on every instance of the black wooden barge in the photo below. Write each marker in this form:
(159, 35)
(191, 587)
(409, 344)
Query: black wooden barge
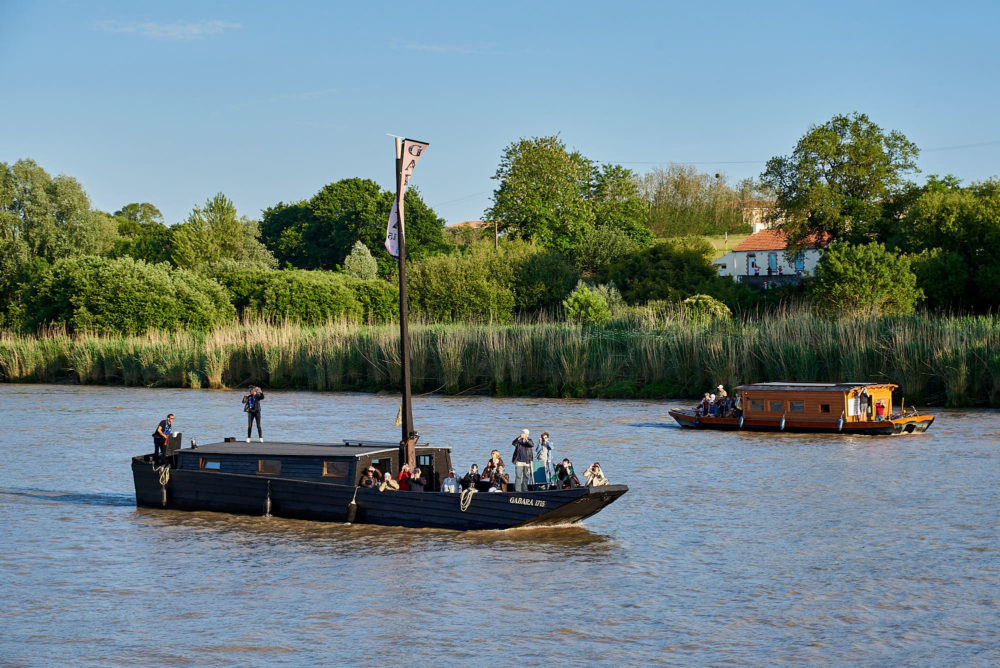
(317, 482)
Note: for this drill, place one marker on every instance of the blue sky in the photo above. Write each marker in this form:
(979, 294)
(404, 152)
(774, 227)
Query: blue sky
(172, 102)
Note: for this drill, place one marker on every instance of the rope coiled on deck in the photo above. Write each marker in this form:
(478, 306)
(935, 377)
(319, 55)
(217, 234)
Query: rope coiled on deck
(164, 472)
(465, 500)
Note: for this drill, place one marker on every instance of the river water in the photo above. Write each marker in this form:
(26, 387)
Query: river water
(739, 549)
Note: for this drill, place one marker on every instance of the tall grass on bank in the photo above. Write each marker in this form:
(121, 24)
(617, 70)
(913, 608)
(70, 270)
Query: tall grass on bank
(652, 353)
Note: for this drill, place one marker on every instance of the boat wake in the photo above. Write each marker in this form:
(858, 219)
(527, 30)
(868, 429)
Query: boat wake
(80, 498)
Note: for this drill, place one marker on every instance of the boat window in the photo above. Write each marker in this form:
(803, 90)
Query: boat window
(423, 460)
(209, 464)
(269, 466)
(382, 465)
(777, 407)
(824, 408)
(336, 469)
(796, 407)
(756, 405)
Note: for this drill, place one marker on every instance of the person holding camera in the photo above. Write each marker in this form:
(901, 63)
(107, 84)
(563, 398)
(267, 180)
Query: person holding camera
(251, 406)
(595, 476)
(524, 454)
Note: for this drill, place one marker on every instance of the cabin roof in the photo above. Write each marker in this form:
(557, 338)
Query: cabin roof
(812, 387)
(355, 449)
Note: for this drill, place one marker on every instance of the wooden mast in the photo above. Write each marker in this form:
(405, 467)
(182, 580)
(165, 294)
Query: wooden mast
(408, 440)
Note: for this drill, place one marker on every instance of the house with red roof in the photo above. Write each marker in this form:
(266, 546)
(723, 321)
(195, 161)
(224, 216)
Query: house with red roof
(763, 257)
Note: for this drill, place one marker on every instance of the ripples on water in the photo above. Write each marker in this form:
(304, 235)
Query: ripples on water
(729, 549)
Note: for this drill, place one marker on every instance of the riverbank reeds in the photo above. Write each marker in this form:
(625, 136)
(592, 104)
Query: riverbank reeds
(934, 359)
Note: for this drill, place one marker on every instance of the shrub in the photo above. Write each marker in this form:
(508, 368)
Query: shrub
(307, 297)
(706, 307)
(124, 295)
(865, 280)
(360, 263)
(587, 306)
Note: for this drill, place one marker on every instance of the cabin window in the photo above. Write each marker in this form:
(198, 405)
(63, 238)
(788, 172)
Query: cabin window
(269, 466)
(209, 464)
(756, 405)
(796, 407)
(423, 460)
(383, 465)
(336, 469)
(824, 408)
(777, 407)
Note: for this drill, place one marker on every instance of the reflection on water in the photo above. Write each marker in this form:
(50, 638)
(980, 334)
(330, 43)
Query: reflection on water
(750, 549)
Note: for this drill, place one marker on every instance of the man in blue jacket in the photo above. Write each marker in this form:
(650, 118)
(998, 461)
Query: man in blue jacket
(524, 449)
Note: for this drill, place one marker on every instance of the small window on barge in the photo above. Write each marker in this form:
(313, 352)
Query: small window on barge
(269, 466)
(777, 407)
(824, 408)
(756, 405)
(335, 469)
(209, 464)
(796, 407)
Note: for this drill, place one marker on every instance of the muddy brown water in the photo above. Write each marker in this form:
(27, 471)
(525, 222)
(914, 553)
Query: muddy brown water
(730, 548)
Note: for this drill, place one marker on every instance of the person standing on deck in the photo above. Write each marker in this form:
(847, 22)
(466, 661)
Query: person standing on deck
(543, 453)
(160, 437)
(251, 405)
(524, 449)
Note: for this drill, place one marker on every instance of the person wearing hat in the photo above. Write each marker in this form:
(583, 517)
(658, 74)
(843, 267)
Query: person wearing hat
(450, 484)
(524, 454)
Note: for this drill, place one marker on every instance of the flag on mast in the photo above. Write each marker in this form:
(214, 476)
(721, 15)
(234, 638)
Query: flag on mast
(411, 153)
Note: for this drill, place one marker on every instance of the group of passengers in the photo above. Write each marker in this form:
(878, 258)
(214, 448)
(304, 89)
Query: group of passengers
(718, 404)
(494, 476)
(407, 480)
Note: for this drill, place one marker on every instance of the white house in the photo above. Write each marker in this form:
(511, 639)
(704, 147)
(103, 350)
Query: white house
(761, 257)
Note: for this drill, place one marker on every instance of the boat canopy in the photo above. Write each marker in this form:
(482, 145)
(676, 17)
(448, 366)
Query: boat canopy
(813, 387)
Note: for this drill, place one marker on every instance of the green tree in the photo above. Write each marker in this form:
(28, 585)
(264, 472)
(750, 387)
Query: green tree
(320, 233)
(542, 193)
(669, 270)
(360, 262)
(601, 247)
(683, 201)
(142, 234)
(618, 204)
(214, 233)
(839, 178)
(864, 279)
(953, 234)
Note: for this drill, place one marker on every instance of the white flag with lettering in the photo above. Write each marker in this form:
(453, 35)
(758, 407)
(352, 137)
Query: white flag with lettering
(412, 151)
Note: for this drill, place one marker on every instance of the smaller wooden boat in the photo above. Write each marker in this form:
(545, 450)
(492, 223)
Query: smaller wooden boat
(846, 408)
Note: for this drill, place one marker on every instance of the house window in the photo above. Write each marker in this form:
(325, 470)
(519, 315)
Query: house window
(777, 407)
(209, 464)
(756, 406)
(796, 407)
(269, 466)
(335, 469)
(824, 408)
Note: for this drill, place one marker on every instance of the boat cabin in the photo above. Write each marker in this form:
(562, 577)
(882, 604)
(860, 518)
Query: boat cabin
(341, 463)
(817, 402)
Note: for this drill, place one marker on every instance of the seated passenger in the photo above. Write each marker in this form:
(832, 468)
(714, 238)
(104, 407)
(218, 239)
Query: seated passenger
(388, 484)
(471, 479)
(418, 482)
(450, 484)
(703, 406)
(369, 478)
(565, 477)
(501, 480)
(491, 466)
(595, 476)
(404, 478)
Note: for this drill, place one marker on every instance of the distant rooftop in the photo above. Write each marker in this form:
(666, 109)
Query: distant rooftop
(777, 240)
